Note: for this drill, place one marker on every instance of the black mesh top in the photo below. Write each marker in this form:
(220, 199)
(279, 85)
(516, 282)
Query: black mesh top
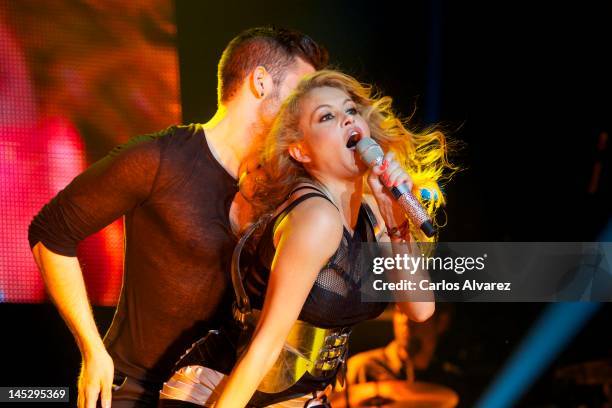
(335, 298)
(175, 197)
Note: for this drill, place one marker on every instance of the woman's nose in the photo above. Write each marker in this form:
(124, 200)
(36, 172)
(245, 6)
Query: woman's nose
(348, 120)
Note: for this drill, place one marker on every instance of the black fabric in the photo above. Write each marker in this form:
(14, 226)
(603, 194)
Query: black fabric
(171, 403)
(176, 199)
(130, 393)
(335, 299)
(319, 193)
(217, 349)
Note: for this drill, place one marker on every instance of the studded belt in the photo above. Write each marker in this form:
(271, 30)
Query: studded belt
(308, 348)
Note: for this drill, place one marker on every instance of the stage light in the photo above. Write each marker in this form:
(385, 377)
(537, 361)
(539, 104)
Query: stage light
(555, 328)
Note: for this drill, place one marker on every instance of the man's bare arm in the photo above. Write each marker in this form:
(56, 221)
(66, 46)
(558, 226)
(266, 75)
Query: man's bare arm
(64, 282)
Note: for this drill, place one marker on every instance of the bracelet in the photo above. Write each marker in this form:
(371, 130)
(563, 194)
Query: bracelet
(398, 231)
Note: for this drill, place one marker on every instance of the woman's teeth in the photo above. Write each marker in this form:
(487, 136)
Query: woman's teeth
(352, 141)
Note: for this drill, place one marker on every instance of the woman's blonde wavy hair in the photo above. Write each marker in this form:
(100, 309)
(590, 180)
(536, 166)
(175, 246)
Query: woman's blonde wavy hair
(423, 155)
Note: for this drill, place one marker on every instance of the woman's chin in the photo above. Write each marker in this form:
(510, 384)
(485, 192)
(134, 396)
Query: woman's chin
(357, 173)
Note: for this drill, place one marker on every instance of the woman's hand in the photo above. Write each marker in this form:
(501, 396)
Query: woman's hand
(381, 179)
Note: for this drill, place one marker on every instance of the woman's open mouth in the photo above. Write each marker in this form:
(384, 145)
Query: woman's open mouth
(355, 136)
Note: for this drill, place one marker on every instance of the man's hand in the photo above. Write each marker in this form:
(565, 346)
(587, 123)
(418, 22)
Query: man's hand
(64, 281)
(96, 378)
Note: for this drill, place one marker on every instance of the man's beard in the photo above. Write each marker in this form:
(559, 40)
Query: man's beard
(266, 113)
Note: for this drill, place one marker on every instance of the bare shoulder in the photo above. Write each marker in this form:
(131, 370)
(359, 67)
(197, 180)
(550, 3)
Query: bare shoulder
(314, 221)
(316, 210)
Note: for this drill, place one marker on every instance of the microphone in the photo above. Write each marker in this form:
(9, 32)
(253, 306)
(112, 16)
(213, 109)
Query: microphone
(372, 154)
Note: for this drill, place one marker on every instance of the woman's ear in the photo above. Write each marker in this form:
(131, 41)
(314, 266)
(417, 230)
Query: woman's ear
(299, 153)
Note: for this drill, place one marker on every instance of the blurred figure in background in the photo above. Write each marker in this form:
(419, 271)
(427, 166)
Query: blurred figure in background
(409, 356)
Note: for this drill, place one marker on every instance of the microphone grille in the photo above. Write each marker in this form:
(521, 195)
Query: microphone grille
(370, 151)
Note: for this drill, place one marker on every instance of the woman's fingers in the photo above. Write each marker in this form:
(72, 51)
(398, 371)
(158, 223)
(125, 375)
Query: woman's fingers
(383, 167)
(390, 173)
(394, 174)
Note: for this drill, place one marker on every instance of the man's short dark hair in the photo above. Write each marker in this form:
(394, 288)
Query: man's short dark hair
(276, 49)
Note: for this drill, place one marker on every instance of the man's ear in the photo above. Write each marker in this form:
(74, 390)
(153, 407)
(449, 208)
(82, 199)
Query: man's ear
(260, 82)
(299, 153)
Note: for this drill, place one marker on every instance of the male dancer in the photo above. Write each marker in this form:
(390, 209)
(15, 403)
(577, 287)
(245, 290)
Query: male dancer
(175, 189)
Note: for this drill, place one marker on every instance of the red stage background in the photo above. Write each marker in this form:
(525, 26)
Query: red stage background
(76, 79)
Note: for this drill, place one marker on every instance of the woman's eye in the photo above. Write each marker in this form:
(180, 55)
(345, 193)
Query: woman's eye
(352, 111)
(327, 116)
